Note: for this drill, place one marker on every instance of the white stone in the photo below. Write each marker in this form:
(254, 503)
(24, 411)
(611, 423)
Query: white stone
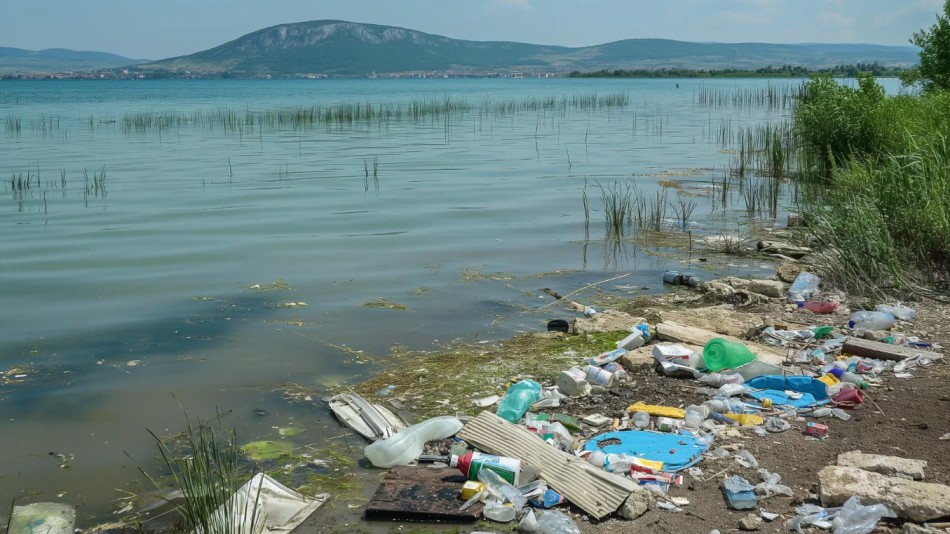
(909, 499)
(636, 504)
(884, 465)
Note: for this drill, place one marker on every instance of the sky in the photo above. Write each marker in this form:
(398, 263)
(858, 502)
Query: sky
(158, 29)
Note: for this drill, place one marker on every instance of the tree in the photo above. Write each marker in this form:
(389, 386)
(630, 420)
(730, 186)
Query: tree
(933, 73)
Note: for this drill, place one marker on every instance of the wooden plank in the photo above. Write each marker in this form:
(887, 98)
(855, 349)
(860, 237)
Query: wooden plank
(421, 494)
(883, 351)
(678, 333)
(593, 490)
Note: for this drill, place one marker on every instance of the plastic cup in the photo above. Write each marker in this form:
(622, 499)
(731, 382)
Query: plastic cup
(721, 354)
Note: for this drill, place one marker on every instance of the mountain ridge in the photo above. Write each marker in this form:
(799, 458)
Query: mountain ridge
(343, 48)
(337, 47)
(60, 60)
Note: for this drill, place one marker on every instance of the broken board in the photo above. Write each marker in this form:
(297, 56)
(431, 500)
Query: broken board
(422, 494)
(371, 421)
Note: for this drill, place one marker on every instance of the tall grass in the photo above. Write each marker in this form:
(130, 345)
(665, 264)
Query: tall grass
(618, 209)
(361, 114)
(876, 191)
(207, 473)
(774, 96)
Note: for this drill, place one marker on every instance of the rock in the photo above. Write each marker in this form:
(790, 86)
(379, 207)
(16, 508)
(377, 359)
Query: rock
(750, 522)
(723, 319)
(606, 321)
(636, 504)
(884, 465)
(910, 500)
(768, 288)
(788, 270)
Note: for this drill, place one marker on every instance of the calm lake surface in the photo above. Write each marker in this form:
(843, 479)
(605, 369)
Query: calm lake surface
(168, 252)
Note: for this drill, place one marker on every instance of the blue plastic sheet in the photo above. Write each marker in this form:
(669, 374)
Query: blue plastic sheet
(773, 387)
(676, 451)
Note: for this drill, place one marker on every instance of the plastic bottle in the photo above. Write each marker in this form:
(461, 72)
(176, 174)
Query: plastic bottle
(471, 463)
(804, 287)
(518, 399)
(901, 312)
(632, 341)
(386, 391)
(501, 488)
(853, 518)
(871, 320)
(555, 522)
(821, 412)
(726, 405)
(721, 379)
(407, 444)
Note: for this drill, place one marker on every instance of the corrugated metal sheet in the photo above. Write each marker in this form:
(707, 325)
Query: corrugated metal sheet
(593, 490)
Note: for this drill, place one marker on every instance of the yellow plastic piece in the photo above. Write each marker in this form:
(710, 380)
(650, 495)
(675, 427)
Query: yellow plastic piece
(471, 488)
(658, 411)
(655, 465)
(766, 403)
(746, 419)
(829, 379)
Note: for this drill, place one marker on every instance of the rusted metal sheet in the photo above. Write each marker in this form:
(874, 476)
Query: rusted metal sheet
(421, 494)
(593, 490)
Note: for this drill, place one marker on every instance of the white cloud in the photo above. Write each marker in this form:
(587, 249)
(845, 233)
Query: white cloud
(746, 17)
(524, 5)
(832, 18)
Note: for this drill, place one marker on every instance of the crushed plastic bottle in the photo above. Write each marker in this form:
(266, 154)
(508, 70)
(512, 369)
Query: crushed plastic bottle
(871, 320)
(731, 390)
(901, 312)
(854, 518)
(501, 489)
(721, 379)
(555, 522)
(803, 287)
(745, 459)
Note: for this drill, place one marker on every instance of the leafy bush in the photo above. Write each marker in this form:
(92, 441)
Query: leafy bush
(877, 194)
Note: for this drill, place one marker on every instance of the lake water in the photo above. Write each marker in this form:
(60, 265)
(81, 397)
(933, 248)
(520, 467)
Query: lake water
(145, 268)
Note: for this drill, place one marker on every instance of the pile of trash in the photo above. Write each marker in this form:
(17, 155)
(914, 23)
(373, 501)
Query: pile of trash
(522, 460)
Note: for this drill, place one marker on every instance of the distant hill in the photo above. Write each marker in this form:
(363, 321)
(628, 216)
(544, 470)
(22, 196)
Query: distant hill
(58, 60)
(334, 47)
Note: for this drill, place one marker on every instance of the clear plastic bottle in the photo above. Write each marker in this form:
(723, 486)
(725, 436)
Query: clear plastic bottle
(804, 287)
(721, 379)
(501, 488)
(407, 444)
(901, 312)
(518, 399)
(854, 518)
(871, 320)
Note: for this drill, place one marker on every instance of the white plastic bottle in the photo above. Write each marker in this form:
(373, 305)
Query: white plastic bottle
(407, 444)
(871, 320)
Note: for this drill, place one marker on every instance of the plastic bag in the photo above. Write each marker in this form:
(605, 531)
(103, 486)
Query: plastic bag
(854, 518)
